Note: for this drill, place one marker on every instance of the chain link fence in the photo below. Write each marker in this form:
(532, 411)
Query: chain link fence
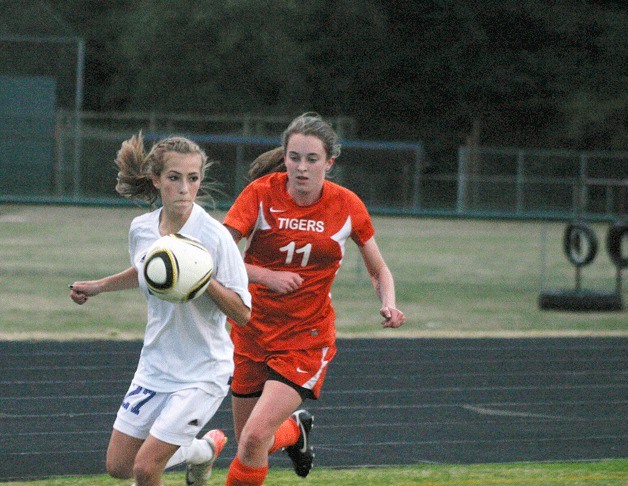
(529, 182)
(384, 174)
(390, 177)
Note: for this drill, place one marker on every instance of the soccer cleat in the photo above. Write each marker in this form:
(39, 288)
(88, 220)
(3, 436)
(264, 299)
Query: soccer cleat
(302, 453)
(198, 474)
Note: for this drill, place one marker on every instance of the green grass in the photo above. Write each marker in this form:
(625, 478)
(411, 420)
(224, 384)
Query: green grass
(612, 472)
(453, 277)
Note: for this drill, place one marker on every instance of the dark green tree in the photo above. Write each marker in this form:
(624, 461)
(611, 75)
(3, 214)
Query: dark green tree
(527, 72)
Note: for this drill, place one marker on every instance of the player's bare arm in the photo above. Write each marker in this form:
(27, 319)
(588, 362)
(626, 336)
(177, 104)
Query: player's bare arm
(276, 281)
(383, 283)
(81, 291)
(229, 302)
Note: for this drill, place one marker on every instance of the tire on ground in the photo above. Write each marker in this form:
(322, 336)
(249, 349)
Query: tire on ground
(580, 301)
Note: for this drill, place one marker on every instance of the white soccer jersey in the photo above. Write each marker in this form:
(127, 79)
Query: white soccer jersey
(187, 344)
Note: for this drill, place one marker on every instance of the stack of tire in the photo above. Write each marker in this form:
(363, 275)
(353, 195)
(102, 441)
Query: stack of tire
(580, 245)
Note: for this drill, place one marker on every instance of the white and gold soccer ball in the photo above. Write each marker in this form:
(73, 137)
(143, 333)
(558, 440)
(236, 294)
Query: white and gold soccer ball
(177, 268)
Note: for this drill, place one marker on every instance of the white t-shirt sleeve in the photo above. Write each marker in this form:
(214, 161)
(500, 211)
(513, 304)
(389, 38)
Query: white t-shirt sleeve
(229, 267)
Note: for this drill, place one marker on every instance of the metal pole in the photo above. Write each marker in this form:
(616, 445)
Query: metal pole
(462, 180)
(60, 169)
(240, 164)
(78, 104)
(583, 200)
(543, 262)
(520, 182)
(418, 171)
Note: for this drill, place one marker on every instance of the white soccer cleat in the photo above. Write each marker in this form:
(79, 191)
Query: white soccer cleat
(198, 474)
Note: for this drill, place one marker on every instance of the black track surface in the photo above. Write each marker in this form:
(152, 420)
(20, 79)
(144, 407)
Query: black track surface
(385, 402)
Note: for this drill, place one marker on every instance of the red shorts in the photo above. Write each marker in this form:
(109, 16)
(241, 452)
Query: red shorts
(303, 367)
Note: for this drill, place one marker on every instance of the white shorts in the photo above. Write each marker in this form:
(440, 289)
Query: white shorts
(175, 418)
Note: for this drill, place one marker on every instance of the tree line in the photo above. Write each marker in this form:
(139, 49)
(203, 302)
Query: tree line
(522, 72)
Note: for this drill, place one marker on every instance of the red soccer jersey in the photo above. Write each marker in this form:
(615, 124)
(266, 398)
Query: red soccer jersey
(308, 240)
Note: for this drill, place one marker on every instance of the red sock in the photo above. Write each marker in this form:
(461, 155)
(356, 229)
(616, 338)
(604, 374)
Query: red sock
(242, 475)
(287, 434)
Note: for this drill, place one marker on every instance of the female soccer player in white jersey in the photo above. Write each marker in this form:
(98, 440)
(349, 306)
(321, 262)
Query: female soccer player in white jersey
(187, 357)
(297, 224)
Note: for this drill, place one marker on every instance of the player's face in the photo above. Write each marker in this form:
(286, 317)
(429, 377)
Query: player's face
(306, 164)
(179, 182)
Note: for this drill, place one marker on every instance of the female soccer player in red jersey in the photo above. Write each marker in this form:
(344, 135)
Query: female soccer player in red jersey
(296, 224)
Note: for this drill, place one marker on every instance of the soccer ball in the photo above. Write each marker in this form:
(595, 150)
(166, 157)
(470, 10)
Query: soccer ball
(177, 268)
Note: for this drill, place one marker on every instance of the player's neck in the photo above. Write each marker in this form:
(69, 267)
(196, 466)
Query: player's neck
(304, 198)
(171, 223)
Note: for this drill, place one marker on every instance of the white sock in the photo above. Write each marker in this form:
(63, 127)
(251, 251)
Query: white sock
(196, 453)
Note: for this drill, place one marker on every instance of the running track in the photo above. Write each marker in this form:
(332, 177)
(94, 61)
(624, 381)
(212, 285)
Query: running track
(385, 402)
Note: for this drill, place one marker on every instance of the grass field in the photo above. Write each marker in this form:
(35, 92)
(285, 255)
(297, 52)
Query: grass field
(595, 473)
(453, 277)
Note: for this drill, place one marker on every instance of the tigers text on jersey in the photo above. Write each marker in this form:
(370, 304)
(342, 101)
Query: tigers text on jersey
(308, 240)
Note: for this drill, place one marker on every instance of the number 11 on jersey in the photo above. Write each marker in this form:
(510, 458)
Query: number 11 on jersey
(290, 249)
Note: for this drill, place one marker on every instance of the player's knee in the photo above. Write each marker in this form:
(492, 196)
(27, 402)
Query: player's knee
(117, 471)
(118, 466)
(144, 472)
(255, 441)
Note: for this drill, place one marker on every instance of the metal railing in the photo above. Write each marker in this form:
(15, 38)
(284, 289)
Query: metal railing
(528, 182)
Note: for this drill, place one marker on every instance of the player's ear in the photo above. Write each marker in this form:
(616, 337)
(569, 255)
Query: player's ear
(330, 163)
(156, 181)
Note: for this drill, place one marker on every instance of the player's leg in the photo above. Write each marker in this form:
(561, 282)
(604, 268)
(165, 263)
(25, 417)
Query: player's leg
(200, 451)
(183, 416)
(289, 432)
(247, 384)
(121, 454)
(241, 407)
(293, 433)
(197, 473)
(273, 408)
(301, 452)
(263, 402)
(304, 371)
(131, 428)
(151, 460)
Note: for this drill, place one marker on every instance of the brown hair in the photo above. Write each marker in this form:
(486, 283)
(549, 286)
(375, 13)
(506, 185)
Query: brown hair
(312, 123)
(136, 167)
(271, 161)
(309, 123)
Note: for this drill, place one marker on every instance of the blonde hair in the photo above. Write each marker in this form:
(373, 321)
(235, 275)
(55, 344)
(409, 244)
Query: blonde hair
(136, 168)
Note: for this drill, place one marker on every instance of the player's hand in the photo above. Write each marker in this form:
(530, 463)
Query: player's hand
(81, 291)
(392, 317)
(283, 282)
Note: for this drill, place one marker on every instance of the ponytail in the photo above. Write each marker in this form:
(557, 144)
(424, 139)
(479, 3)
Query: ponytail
(134, 172)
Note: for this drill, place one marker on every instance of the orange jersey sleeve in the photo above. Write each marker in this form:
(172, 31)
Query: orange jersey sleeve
(308, 240)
